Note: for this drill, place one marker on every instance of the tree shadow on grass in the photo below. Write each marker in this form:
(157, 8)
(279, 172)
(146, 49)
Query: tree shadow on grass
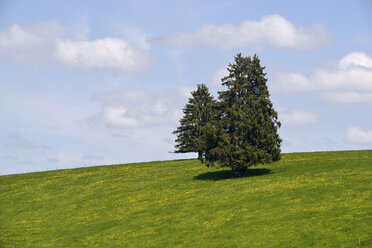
(228, 174)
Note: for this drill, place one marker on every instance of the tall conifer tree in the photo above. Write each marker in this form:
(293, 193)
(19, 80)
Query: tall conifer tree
(197, 113)
(248, 123)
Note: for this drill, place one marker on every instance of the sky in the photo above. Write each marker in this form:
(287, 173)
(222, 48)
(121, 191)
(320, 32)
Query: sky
(85, 83)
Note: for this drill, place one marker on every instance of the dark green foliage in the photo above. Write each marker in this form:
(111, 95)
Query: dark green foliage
(247, 118)
(238, 131)
(197, 113)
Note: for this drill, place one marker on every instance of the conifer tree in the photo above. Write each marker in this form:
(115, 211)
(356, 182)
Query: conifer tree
(192, 130)
(247, 128)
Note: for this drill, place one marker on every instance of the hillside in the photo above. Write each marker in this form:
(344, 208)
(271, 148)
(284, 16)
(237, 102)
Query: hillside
(304, 200)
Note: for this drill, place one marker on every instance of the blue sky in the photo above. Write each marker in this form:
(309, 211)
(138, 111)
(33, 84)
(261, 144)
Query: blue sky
(87, 83)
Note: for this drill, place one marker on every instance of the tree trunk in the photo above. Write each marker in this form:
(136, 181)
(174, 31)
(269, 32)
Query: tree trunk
(200, 156)
(240, 171)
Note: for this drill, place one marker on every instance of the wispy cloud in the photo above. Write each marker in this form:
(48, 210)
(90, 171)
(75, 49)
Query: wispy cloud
(25, 162)
(356, 135)
(272, 30)
(137, 108)
(120, 136)
(47, 42)
(91, 157)
(16, 141)
(9, 158)
(215, 80)
(109, 53)
(348, 81)
(52, 160)
(29, 44)
(294, 117)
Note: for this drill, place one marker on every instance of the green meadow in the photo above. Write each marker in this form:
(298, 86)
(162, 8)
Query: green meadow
(320, 199)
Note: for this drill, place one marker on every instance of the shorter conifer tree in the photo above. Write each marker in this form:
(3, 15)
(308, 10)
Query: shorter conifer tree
(197, 113)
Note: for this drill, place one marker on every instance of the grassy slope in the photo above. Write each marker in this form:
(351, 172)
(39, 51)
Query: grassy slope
(305, 200)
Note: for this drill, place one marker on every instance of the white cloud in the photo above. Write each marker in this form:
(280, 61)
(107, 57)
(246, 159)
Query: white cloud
(293, 117)
(43, 42)
(356, 59)
(186, 91)
(272, 29)
(115, 117)
(108, 53)
(138, 108)
(16, 141)
(29, 44)
(356, 135)
(216, 78)
(349, 81)
(292, 82)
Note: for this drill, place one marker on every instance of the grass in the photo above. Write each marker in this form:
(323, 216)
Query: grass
(304, 200)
